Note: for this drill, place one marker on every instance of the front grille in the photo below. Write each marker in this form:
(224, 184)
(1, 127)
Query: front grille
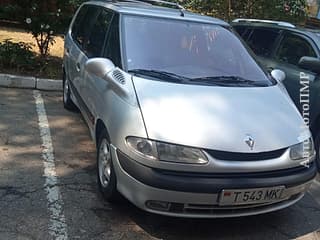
(235, 156)
(246, 175)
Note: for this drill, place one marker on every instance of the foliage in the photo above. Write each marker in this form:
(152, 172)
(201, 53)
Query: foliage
(9, 12)
(287, 10)
(76, 3)
(16, 55)
(45, 18)
(43, 23)
(42, 18)
(18, 58)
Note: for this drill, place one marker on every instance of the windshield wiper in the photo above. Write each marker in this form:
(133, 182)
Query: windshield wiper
(160, 75)
(229, 80)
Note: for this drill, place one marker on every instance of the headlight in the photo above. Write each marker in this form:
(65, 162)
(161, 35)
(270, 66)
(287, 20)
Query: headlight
(143, 147)
(180, 154)
(166, 152)
(302, 150)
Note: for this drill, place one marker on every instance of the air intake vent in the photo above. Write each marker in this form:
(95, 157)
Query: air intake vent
(117, 75)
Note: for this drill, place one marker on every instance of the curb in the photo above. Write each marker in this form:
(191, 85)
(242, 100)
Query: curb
(12, 81)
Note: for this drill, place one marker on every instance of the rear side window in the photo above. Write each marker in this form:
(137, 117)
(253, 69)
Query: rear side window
(262, 41)
(112, 50)
(98, 34)
(293, 48)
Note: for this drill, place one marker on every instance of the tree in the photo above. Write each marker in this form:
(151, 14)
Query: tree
(286, 10)
(44, 19)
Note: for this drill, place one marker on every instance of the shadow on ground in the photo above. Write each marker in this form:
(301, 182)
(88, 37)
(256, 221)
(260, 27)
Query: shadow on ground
(88, 215)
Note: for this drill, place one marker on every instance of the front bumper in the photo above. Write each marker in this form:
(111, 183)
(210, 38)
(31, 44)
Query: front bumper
(195, 195)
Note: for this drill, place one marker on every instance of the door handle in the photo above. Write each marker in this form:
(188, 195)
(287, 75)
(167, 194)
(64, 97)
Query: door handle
(67, 52)
(78, 67)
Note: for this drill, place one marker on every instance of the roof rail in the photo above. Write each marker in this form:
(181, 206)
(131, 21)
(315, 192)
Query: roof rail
(279, 23)
(157, 2)
(172, 4)
(153, 2)
(130, 1)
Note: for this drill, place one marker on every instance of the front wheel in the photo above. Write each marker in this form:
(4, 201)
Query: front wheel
(107, 181)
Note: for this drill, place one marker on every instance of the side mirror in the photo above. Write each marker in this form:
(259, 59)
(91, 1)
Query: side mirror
(310, 63)
(278, 75)
(116, 78)
(99, 67)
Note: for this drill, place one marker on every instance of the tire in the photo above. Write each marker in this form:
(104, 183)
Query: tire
(317, 146)
(67, 101)
(106, 177)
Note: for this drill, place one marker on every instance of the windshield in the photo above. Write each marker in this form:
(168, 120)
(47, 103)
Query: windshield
(195, 51)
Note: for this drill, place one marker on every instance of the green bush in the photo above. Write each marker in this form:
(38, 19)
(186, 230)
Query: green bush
(9, 12)
(44, 19)
(16, 55)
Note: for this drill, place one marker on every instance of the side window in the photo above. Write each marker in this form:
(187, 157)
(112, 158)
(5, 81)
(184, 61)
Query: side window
(240, 29)
(98, 33)
(262, 41)
(246, 34)
(78, 21)
(83, 27)
(292, 48)
(112, 50)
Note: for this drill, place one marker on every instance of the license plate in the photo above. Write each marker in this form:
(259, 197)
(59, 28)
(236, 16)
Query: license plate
(251, 196)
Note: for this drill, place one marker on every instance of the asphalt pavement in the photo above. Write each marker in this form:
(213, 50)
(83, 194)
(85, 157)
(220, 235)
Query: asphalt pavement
(48, 186)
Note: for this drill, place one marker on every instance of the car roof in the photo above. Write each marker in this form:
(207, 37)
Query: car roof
(151, 10)
(296, 29)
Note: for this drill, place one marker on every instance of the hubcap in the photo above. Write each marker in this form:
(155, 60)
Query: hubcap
(104, 163)
(65, 90)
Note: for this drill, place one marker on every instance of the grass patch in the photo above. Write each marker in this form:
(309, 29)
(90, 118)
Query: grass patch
(44, 68)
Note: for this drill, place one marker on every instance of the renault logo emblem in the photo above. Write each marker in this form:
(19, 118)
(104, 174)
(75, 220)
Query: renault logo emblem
(249, 141)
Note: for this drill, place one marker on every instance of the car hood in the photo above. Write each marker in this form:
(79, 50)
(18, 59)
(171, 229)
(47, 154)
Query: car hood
(219, 118)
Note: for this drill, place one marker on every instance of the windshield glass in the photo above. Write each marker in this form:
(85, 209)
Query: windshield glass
(187, 49)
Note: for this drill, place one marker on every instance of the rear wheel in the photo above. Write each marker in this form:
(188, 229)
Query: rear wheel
(107, 181)
(67, 101)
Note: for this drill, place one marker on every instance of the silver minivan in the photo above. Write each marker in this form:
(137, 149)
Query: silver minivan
(185, 121)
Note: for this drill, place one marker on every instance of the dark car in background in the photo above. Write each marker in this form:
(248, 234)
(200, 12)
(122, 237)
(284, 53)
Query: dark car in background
(294, 50)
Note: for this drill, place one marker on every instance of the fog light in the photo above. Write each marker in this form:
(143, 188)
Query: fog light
(158, 205)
